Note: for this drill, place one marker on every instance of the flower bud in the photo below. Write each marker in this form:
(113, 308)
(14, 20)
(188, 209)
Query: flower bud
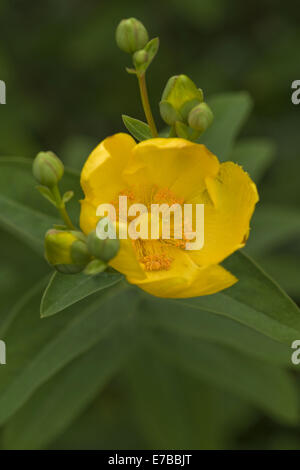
(140, 57)
(104, 250)
(131, 35)
(47, 169)
(200, 117)
(179, 97)
(66, 250)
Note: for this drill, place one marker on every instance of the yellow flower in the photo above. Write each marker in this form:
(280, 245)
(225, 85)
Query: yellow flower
(168, 171)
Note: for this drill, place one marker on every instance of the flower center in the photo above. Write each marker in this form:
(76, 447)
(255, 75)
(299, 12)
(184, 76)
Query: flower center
(153, 254)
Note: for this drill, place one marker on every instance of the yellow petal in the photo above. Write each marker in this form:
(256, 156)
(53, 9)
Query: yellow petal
(175, 164)
(185, 279)
(88, 218)
(229, 205)
(126, 261)
(101, 176)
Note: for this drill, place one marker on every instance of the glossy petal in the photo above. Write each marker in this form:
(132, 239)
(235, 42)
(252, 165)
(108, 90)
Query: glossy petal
(186, 279)
(227, 213)
(88, 218)
(126, 260)
(101, 176)
(175, 164)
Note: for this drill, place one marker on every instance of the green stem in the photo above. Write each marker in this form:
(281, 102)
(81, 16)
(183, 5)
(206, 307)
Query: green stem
(62, 208)
(146, 104)
(172, 131)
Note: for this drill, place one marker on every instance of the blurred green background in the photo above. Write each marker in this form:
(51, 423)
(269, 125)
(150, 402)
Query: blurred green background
(66, 90)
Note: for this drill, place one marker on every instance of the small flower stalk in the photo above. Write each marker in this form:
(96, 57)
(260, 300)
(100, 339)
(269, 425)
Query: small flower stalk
(48, 170)
(180, 96)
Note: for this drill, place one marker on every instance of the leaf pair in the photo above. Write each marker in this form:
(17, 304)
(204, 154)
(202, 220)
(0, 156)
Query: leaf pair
(47, 194)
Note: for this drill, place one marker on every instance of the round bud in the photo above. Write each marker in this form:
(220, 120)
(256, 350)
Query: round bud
(47, 169)
(200, 117)
(131, 35)
(140, 57)
(179, 97)
(104, 250)
(66, 251)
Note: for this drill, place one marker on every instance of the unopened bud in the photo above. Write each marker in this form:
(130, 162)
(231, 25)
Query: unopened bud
(47, 169)
(179, 97)
(66, 251)
(104, 250)
(131, 35)
(200, 117)
(140, 57)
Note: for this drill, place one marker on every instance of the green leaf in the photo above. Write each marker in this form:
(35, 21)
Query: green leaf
(230, 112)
(64, 290)
(255, 301)
(53, 343)
(29, 225)
(67, 394)
(165, 400)
(130, 70)
(13, 284)
(21, 304)
(67, 196)
(266, 386)
(254, 155)
(272, 226)
(177, 318)
(22, 210)
(140, 130)
(285, 268)
(151, 48)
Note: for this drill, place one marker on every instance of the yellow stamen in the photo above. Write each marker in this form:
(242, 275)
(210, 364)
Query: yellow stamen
(166, 196)
(153, 255)
(156, 262)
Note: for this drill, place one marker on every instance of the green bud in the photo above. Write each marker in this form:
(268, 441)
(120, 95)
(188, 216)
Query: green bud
(200, 117)
(104, 250)
(131, 35)
(140, 57)
(179, 97)
(168, 113)
(66, 250)
(47, 169)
